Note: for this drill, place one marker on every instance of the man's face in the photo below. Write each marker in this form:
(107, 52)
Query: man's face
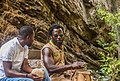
(30, 39)
(57, 36)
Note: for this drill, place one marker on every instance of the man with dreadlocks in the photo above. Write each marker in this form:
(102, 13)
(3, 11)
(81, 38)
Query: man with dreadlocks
(52, 55)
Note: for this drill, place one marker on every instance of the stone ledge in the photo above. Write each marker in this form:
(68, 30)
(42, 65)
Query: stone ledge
(34, 63)
(34, 54)
(34, 58)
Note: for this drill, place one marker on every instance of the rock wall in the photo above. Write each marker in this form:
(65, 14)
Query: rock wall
(78, 17)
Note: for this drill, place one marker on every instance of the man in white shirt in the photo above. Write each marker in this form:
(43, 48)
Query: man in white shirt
(14, 57)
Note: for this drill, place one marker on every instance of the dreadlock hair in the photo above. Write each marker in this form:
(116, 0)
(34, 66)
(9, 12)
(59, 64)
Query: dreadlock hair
(25, 31)
(54, 26)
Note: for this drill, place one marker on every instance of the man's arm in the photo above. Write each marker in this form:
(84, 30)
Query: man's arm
(10, 73)
(25, 66)
(49, 63)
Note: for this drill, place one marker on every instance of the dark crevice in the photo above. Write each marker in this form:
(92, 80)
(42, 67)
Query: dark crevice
(113, 6)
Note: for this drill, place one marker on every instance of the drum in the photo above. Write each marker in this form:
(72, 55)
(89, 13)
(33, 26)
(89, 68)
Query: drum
(81, 75)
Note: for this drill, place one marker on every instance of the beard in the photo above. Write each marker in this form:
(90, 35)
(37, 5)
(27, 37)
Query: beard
(59, 43)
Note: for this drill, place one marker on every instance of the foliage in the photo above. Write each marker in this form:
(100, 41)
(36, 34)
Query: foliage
(111, 19)
(110, 65)
(110, 68)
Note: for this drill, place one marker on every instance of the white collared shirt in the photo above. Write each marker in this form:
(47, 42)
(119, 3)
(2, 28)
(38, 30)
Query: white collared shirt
(12, 51)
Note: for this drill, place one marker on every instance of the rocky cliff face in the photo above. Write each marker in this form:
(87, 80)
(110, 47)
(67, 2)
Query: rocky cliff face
(78, 17)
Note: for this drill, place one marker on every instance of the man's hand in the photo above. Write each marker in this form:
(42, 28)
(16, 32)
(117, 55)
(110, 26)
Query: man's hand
(78, 65)
(35, 77)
